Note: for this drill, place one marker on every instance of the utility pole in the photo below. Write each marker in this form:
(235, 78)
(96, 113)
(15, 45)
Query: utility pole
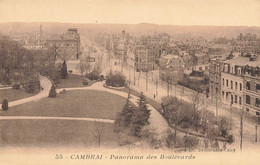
(168, 86)
(175, 88)
(241, 130)
(217, 107)
(256, 133)
(156, 86)
(147, 81)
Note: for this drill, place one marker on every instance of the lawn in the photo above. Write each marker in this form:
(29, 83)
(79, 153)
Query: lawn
(72, 81)
(12, 94)
(54, 133)
(77, 103)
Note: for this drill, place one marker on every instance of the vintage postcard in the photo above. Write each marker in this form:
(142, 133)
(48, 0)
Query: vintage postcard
(129, 82)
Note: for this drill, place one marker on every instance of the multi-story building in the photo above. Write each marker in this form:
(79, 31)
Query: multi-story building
(68, 45)
(232, 81)
(144, 58)
(252, 87)
(171, 68)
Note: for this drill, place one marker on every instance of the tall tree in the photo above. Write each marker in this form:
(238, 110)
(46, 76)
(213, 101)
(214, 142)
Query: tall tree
(124, 118)
(64, 71)
(141, 116)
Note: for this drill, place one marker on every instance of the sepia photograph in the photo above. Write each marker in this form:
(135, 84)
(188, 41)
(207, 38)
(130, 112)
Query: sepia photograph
(133, 82)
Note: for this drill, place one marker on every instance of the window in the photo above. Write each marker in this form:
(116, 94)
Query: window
(247, 109)
(231, 84)
(240, 87)
(227, 83)
(247, 99)
(226, 96)
(236, 99)
(257, 87)
(223, 94)
(257, 102)
(235, 85)
(223, 81)
(240, 101)
(248, 85)
(257, 113)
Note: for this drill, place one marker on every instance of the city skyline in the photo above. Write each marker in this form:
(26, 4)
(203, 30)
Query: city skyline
(169, 12)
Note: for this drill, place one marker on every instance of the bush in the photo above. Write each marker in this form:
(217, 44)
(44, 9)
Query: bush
(5, 104)
(101, 77)
(16, 86)
(115, 80)
(190, 142)
(94, 75)
(170, 139)
(31, 85)
(230, 139)
(52, 92)
(85, 82)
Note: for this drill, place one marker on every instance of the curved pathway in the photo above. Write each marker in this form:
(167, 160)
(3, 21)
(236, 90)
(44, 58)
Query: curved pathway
(45, 83)
(54, 118)
(157, 123)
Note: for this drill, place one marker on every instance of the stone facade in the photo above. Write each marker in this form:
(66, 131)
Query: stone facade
(68, 45)
(252, 87)
(232, 82)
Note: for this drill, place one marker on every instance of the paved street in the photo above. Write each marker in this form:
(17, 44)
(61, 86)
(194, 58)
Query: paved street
(161, 90)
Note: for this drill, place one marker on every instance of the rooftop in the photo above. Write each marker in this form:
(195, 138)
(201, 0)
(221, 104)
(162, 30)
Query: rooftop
(254, 63)
(63, 37)
(239, 60)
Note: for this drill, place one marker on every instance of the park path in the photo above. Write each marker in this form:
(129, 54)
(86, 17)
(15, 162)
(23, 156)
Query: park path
(45, 83)
(5, 88)
(54, 118)
(157, 123)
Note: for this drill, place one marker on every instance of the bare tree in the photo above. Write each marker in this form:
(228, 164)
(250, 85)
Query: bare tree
(84, 65)
(55, 51)
(98, 132)
(195, 101)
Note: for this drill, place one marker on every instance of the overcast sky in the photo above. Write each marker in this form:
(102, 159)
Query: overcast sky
(171, 12)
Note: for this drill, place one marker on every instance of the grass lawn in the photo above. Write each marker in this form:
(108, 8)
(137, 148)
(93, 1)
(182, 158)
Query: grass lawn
(12, 94)
(48, 133)
(77, 103)
(72, 81)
